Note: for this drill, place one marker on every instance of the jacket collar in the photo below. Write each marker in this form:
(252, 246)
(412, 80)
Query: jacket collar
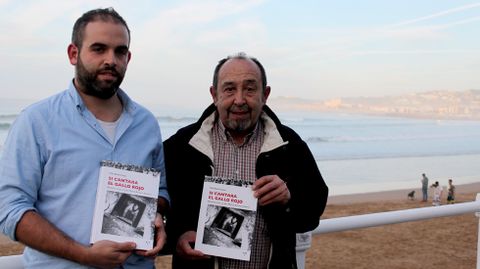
(202, 142)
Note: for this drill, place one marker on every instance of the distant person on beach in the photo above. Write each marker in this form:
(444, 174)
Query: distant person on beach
(51, 160)
(239, 136)
(437, 194)
(451, 192)
(424, 188)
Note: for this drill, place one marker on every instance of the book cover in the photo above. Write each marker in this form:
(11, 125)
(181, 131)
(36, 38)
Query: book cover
(126, 204)
(227, 218)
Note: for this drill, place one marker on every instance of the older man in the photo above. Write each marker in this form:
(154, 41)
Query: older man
(238, 136)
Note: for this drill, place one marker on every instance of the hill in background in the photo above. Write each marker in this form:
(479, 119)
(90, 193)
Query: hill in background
(433, 104)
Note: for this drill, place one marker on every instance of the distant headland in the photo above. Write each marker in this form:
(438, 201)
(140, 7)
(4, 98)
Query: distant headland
(464, 105)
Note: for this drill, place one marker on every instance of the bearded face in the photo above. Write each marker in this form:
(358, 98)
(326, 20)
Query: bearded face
(102, 58)
(102, 83)
(239, 96)
(239, 124)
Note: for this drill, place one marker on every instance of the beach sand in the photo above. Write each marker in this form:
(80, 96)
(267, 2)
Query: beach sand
(448, 242)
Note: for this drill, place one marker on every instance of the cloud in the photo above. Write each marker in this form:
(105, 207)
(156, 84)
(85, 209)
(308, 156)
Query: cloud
(418, 51)
(176, 44)
(32, 27)
(460, 22)
(438, 14)
(31, 16)
(186, 22)
(251, 32)
(432, 32)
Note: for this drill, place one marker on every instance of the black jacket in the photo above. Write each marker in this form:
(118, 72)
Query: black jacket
(293, 162)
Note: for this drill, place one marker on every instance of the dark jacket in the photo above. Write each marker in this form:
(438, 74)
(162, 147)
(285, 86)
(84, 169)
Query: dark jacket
(291, 160)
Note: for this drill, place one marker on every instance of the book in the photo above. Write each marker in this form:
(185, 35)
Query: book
(126, 204)
(227, 218)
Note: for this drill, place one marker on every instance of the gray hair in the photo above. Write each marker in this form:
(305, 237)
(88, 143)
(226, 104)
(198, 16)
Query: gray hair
(243, 56)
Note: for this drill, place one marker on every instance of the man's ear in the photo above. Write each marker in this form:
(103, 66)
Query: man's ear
(73, 53)
(266, 93)
(213, 93)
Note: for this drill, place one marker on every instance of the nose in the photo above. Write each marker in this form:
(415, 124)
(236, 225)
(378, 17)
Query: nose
(110, 58)
(239, 97)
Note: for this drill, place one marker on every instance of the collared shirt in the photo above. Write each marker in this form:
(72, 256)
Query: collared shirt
(51, 160)
(238, 161)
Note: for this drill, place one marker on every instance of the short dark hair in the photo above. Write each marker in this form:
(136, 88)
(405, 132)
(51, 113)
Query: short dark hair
(103, 14)
(240, 55)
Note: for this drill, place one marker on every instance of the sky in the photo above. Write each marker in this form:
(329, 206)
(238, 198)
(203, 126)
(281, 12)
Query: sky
(318, 49)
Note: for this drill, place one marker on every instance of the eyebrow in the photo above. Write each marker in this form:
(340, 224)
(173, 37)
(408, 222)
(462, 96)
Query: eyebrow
(250, 81)
(227, 83)
(97, 44)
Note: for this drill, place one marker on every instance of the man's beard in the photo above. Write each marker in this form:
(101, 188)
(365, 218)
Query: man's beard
(91, 85)
(239, 126)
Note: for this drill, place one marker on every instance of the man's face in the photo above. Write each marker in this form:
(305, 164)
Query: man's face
(239, 96)
(101, 62)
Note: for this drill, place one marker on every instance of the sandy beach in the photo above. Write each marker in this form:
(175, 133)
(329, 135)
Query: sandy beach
(448, 242)
(441, 243)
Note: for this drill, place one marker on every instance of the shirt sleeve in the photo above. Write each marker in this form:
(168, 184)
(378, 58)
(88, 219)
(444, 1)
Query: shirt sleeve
(20, 173)
(160, 164)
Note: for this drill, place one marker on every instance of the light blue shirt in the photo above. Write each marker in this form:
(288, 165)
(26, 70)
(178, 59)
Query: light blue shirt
(51, 160)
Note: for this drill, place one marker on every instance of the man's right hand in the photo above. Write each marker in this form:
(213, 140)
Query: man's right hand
(108, 254)
(35, 231)
(184, 247)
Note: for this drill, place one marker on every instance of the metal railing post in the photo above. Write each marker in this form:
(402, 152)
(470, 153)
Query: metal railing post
(478, 235)
(304, 241)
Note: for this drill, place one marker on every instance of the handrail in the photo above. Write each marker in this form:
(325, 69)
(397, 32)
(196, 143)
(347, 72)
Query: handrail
(392, 217)
(11, 262)
(385, 218)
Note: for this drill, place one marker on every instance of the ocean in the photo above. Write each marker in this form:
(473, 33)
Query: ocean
(358, 153)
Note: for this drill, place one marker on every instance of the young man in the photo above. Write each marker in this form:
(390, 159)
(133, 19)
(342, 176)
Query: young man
(51, 159)
(239, 137)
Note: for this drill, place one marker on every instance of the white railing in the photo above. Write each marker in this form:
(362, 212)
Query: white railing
(384, 218)
(348, 223)
(11, 262)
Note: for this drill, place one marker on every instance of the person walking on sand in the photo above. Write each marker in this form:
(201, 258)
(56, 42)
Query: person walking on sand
(437, 194)
(451, 192)
(424, 187)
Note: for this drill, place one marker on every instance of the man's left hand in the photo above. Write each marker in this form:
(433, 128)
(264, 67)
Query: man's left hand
(160, 239)
(271, 189)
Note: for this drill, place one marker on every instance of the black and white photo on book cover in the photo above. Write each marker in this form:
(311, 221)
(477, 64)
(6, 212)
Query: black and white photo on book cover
(126, 204)
(227, 218)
